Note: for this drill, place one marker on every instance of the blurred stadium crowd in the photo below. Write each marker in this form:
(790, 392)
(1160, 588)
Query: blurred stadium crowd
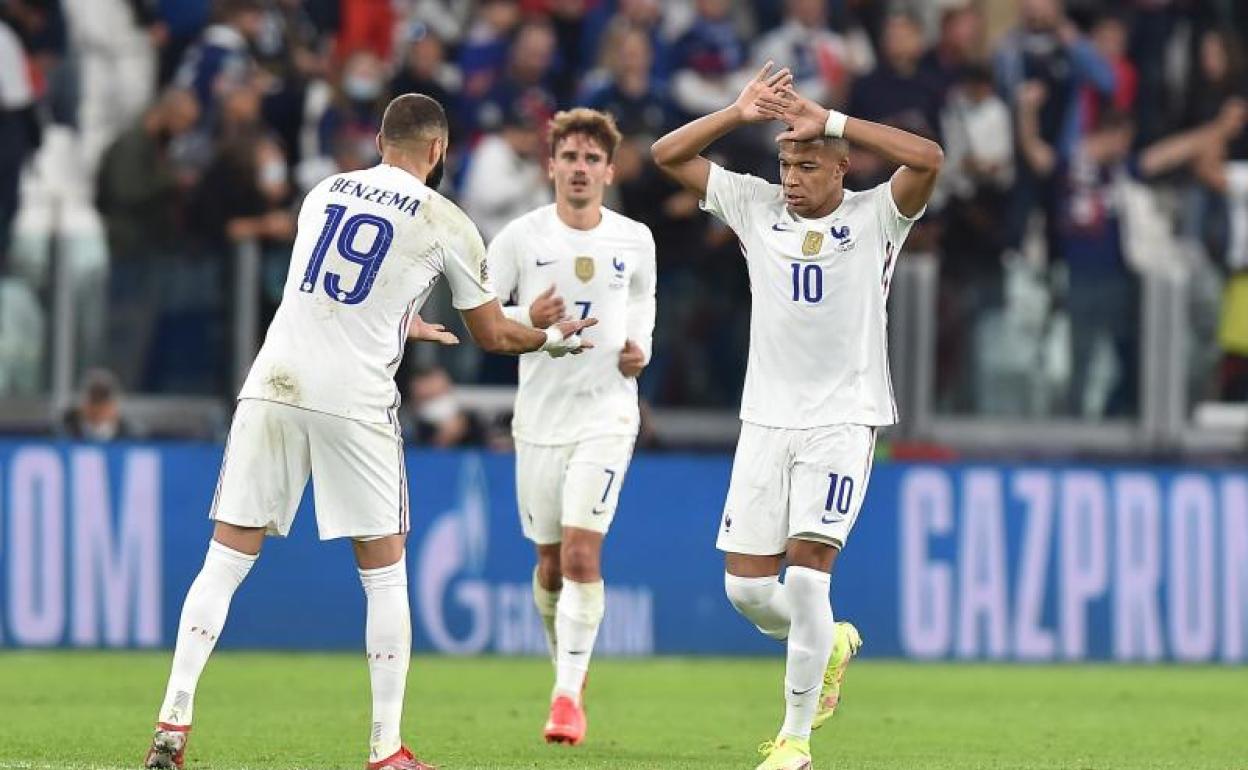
(1088, 144)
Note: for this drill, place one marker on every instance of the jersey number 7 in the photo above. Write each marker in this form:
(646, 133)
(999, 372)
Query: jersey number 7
(368, 259)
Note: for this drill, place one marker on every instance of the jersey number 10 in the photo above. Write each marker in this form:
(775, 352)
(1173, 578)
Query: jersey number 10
(368, 259)
(807, 282)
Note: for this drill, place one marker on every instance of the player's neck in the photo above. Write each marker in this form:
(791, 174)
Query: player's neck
(585, 218)
(406, 163)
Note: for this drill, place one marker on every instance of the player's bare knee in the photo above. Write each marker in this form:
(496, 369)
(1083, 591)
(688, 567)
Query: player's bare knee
(549, 569)
(817, 554)
(580, 560)
(374, 553)
(247, 540)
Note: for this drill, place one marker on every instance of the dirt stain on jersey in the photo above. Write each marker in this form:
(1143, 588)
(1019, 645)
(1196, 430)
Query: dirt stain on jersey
(282, 386)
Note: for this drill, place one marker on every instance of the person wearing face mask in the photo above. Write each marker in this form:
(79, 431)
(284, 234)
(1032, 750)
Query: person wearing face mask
(436, 418)
(97, 416)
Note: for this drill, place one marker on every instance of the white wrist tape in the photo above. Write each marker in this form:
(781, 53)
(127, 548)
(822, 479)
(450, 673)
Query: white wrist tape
(553, 337)
(836, 124)
(557, 345)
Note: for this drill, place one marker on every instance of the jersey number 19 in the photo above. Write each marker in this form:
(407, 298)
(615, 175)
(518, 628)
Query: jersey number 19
(368, 259)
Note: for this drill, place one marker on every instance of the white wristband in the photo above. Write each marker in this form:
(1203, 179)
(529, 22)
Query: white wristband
(836, 124)
(553, 337)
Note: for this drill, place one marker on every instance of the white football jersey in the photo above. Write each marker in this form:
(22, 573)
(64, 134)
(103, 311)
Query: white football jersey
(606, 273)
(370, 246)
(818, 325)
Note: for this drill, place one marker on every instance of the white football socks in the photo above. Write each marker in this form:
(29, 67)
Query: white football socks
(811, 636)
(577, 618)
(203, 614)
(546, 602)
(762, 601)
(388, 644)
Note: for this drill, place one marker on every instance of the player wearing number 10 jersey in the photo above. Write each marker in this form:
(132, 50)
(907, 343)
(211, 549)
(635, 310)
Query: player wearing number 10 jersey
(576, 420)
(320, 401)
(820, 260)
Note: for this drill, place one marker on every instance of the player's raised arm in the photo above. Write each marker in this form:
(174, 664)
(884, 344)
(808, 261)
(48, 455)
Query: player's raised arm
(920, 159)
(677, 153)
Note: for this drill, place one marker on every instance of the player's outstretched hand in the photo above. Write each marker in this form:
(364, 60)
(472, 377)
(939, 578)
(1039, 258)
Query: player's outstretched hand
(632, 360)
(419, 330)
(766, 96)
(547, 308)
(570, 341)
(806, 119)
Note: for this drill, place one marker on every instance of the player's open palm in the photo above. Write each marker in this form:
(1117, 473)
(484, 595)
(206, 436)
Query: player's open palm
(572, 341)
(547, 308)
(632, 360)
(766, 95)
(418, 329)
(806, 119)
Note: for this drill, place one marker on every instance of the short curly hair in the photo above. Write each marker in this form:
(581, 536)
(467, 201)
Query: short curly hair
(598, 126)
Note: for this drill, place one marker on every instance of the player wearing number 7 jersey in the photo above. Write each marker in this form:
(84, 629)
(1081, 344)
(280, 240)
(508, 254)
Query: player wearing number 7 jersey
(820, 259)
(320, 401)
(576, 420)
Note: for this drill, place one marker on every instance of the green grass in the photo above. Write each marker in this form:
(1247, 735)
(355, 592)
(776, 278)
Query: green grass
(94, 710)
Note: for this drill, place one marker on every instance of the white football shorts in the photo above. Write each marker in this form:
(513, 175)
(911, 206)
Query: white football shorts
(570, 485)
(359, 480)
(804, 484)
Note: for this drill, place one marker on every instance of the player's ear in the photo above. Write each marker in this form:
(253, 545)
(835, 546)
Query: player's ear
(550, 169)
(610, 176)
(380, 149)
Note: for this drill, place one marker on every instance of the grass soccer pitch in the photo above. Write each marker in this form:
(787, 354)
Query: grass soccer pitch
(66, 710)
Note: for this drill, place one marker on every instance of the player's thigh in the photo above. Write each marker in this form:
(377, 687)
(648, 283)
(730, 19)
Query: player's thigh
(359, 480)
(591, 485)
(264, 468)
(755, 520)
(539, 483)
(831, 469)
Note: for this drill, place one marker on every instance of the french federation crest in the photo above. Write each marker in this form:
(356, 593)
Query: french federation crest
(584, 267)
(812, 243)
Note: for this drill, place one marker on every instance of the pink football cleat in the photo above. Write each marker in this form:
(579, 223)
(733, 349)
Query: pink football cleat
(400, 760)
(168, 749)
(566, 723)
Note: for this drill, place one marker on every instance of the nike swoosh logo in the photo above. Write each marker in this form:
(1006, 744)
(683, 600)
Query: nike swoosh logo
(780, 228)
(540, 263)
(826, 520)
(599, 512)
(576, 652)
(803, 692)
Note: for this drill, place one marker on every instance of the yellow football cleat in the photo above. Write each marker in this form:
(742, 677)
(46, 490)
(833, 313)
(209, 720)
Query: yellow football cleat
(785, 753)
(848, 642)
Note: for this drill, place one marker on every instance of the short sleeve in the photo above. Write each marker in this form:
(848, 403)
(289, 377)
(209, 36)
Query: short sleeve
(729, 196)
(466, 268)
(895, 224)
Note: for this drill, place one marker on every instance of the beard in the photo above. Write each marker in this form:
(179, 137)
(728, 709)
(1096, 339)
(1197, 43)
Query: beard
(435, 175)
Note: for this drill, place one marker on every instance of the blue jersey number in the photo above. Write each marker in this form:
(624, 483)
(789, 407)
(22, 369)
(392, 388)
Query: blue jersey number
(807, 282)
(584, 306)
(368, 259)
(840, 493)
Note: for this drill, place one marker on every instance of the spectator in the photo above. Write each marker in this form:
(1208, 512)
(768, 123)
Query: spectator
(244, 195)
(709, 59)
(434, 416)
(425, 70)
(98, 414)
(483, 52)
(823, 62)
(221, 58)
(1090, 231)
(505, 177)
(525, 86)
(960, 45)
(629, 91)
(140, 186)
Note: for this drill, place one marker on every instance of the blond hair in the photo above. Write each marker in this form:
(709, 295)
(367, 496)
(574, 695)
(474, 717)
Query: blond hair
(598, 126)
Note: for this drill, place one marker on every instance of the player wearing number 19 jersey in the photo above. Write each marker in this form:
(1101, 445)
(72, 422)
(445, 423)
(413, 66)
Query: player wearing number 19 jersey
(576, 420)
(820, 260)
(320, 400)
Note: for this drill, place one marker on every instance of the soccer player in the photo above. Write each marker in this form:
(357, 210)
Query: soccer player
(575, 420)
(820, 259)
(320, 400)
